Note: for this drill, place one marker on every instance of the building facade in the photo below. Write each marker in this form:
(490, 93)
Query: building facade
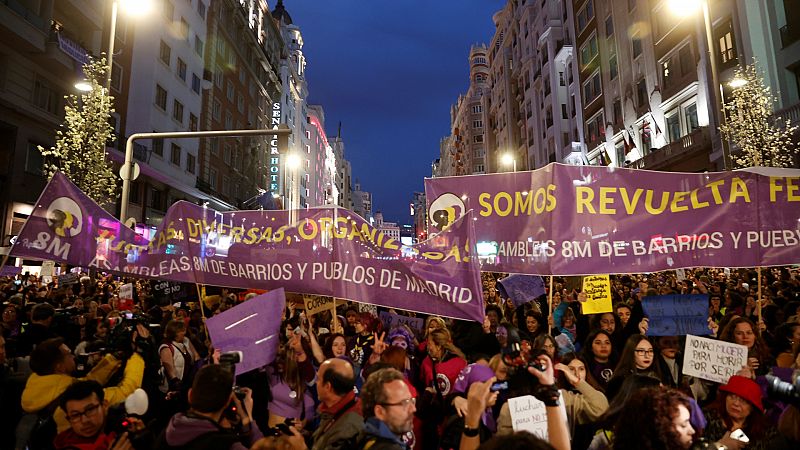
(43, 46)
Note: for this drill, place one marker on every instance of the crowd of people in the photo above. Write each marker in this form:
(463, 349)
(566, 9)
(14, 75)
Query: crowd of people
(76, 364)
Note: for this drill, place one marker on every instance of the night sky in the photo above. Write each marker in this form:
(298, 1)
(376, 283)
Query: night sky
(389, 71)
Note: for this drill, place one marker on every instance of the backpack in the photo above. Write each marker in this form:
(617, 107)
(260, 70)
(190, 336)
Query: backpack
(36, 431)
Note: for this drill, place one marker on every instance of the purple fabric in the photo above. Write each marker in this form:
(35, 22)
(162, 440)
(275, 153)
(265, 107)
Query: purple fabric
(522, 288)
(471, 374)
(325, 251)
(582, 220)
(282, 403)
(251, 327)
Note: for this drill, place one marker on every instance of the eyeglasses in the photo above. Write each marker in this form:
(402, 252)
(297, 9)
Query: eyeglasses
(404, 403)
(642, 351)
(90, 411)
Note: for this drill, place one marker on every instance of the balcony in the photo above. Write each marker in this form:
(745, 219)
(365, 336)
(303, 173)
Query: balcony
(26, 30)
(790, 33)
(792, 114)
(679, 155)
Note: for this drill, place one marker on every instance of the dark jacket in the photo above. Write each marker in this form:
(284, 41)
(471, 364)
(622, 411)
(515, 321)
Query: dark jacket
(33, 335)
(340, 424)
(184, 430)
(377, 436)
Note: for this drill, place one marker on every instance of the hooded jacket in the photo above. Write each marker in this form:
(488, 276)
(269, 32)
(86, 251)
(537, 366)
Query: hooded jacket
(183, 429)
(43, 390)
(339, 424)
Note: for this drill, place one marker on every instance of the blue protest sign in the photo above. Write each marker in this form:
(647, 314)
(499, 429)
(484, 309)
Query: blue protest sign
(675, 315)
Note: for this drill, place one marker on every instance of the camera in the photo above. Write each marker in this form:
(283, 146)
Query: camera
(228, 360)
(783, 391)
(519, 352)
(281, 429)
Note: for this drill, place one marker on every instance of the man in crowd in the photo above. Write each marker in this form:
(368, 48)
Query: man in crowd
(205, 426)
(340, 411)
(388, 409)
(53, 363)
(87, 411)
(38, 330)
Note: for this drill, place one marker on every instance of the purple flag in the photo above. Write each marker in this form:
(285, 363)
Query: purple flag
(585, 220)
(10, 271)
(326, 251)
(250, 327)
(522, 288)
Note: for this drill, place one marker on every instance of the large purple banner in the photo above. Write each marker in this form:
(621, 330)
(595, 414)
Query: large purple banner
(581, 220)
(323, 251)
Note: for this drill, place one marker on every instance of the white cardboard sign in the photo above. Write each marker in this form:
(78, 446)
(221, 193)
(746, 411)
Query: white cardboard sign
(528, 414)
(711, 359)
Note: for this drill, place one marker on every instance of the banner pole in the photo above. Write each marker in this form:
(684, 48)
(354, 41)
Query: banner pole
(758, 303)
(335, 317)
(202, 301)
(5, 260)
(550, 306)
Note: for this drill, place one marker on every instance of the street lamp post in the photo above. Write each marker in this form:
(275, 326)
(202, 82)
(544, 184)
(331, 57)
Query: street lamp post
(127, 167)
(111, 37)
(686, 7)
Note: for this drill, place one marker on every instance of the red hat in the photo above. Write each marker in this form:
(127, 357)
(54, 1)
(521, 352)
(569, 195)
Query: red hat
(745, 388)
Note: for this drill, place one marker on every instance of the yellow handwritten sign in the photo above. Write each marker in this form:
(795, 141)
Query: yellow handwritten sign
(317, 303)
(598, 294)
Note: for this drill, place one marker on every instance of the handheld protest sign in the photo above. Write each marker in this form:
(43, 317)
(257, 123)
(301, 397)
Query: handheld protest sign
(598, 294)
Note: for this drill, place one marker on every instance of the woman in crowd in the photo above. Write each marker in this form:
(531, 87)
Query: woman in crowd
(738, 407)
(289, 378)
(618, 407)
(10, 325)
(535, 324)
(361, 345)
(584, 404)
(432, 323)
(564, 319)
(600, 358)
(656, 419)
(178, 357)
(787, 342)
(438, 374)
(548, 344)
(637, 358)
(742, 331)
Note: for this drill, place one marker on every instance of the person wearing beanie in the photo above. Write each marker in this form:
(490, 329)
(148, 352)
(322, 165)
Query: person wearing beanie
(739, 407)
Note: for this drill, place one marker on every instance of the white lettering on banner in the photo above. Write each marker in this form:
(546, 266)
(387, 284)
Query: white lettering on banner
(712, 360)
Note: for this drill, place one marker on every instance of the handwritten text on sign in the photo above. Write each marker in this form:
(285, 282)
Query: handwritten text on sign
(712, 360)
(528, 414)
(317, 303)
(673, 315)
(598, 294)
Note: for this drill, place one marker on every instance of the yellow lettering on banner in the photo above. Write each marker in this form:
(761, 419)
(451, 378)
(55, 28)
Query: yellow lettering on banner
(252, 236)
(606, 201)
(486, 207)
(583, 199)
(774, 188)
(792, 188)
(630, 204)
(696, 204)
(739, 189)
(523, 203)
(715, 190)
(677, 198)
(648, 202)
(507, 197)
(301, 230)
(193, 226)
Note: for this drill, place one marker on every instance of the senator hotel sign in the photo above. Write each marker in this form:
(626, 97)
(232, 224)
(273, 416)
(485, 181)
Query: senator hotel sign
(274, 151)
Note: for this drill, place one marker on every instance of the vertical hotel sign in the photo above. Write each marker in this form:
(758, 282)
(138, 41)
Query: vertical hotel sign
(274, 153)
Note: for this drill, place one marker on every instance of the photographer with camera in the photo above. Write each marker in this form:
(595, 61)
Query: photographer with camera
(53, 364)
(214, 411)
(91, 425)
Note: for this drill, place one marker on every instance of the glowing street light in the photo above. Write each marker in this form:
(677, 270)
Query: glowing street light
(293, 161)
(509, 160)
(131, 7)
(684, 8)
(83, 85)
(736, 83)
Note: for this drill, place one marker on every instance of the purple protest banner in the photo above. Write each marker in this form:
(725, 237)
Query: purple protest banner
(582, 220)
(324, 251)
(250, 327)
(522, 288)
(10, 271)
